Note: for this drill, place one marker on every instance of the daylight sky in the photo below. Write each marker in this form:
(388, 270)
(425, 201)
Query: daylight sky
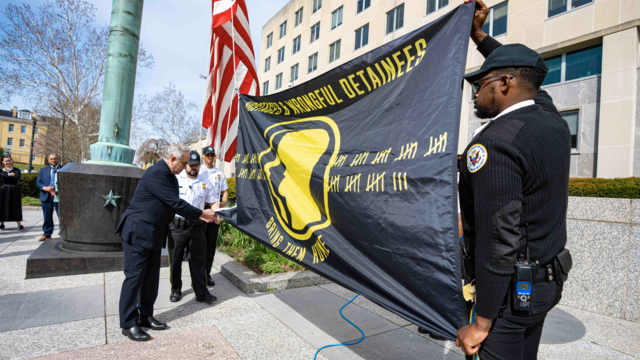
(177, 33)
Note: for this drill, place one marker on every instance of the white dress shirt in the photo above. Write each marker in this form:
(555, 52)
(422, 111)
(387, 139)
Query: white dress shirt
(195, 191)
(511, 108)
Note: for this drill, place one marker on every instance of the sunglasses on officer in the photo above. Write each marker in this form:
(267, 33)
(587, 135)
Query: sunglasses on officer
(476, 87)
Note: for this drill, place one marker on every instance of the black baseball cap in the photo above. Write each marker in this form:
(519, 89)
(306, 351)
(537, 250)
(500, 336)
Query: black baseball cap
(509, 56)
(208, 150)
(194, 158)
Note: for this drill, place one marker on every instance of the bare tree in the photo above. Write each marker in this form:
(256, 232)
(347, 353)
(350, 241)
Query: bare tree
(152, 150)
(139, 130)
(55, 57)
(172, 116)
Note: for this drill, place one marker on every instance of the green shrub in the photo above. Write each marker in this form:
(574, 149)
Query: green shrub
(254, 258)
(624, 188)
(30, 201)
(231, 183)
(27, 185)
(271, 268)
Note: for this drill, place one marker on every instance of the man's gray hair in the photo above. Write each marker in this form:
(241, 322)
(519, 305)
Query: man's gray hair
(58, 156)
(176, 150)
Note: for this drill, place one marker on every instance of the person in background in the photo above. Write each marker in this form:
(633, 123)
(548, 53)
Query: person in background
(10, 197)
(46, 183)
(196, 190)
(219, 182)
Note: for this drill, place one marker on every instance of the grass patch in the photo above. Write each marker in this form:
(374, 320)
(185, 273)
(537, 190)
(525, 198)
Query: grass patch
(252, 254)
(30, 201)
(25, 167)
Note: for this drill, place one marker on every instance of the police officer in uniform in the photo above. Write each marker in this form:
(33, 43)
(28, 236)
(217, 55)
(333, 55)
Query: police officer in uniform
(514, 181)
(195, 190)
(219, 182)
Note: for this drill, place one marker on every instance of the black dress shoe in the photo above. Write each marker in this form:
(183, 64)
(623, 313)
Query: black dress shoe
(151, 323)
(1, 227)
(422, 330)
(209, 299)
(176, 295)
(136, 334)
(210, 281)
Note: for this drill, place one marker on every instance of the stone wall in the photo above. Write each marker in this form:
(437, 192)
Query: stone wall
(604, 239)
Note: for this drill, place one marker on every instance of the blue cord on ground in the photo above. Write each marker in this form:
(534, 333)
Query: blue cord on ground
(343, 344)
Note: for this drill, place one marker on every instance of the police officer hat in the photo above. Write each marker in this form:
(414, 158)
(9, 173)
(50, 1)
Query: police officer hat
(194, 158)
(208, 150)
(509, 56)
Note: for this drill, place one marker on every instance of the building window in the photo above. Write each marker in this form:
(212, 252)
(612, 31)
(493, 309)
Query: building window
(362, 5)
(315, 32)
(294, 72)
(334, 51)
(265, 87)
(496, 23)
(574, 65)
(313, 62)
(9, 141)
(22, 142)
(317, 4)
(33, 158)
(336, 18)
(362, 36)
(571, 117)
(283, 29)
(269, 40)
(433, 5)
(296, 44)
(24, 115)
(559, 6)
(267, 64)
(11, 128)
(298, 20)
(278, 81)
(23, 129)
(395, 19)
(281, 55)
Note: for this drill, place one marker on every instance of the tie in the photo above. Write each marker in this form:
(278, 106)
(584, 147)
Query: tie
(53, 177)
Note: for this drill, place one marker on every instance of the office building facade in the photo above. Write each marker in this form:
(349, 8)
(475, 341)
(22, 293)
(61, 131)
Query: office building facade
(591, 48)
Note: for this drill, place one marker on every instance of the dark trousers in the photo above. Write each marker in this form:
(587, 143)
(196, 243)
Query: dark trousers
(179, 238)
(212, 238)
(516, 336)
(47, 211)
(140, 286)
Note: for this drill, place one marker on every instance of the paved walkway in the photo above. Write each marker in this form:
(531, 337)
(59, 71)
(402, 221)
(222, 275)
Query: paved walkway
(76, 317)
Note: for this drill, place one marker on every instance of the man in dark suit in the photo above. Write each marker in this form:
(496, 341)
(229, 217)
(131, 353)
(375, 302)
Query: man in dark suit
(46, 183)
(143, 229)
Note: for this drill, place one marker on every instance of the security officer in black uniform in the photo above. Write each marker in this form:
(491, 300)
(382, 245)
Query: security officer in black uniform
(514, 184)
(195, 190)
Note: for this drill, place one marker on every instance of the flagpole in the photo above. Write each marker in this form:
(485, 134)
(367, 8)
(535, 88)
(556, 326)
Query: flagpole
(235, 89)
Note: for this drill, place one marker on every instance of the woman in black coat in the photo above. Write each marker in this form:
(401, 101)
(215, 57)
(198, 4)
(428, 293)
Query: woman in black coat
(10, 197)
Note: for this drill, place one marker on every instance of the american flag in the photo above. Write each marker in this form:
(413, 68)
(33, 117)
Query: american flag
(220, 114)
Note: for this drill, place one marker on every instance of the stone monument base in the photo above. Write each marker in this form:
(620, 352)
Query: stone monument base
(50, 259)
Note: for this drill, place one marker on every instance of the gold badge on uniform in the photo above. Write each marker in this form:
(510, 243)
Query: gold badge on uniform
(218, 176)
(204, 186)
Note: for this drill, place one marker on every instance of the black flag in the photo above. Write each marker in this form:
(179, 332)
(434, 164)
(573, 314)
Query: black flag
(353, 174)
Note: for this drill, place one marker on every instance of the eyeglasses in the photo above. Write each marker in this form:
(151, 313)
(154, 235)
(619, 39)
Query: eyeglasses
(475, 86)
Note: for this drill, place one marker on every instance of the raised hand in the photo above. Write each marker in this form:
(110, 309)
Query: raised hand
(479, 17)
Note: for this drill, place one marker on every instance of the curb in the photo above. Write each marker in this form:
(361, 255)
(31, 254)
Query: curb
(249, 282)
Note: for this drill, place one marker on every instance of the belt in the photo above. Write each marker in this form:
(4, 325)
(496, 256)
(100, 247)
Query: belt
(545, 273)
(182, 223)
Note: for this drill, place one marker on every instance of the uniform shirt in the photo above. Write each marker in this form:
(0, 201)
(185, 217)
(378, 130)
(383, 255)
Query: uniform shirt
(216, 178)
(514, 182)
(195, 191)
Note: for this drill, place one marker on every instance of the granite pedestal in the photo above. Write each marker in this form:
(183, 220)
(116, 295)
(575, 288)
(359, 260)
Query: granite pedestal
(88, 221)
(51, 259)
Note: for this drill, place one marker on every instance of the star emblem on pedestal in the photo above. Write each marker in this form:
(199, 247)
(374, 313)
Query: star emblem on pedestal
(111, 199)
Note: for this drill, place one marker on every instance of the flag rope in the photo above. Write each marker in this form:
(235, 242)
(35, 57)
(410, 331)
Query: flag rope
(343, 344)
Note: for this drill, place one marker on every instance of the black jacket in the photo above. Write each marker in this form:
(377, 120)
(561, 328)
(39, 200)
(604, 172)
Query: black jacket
(154, 205)
(523, 179)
